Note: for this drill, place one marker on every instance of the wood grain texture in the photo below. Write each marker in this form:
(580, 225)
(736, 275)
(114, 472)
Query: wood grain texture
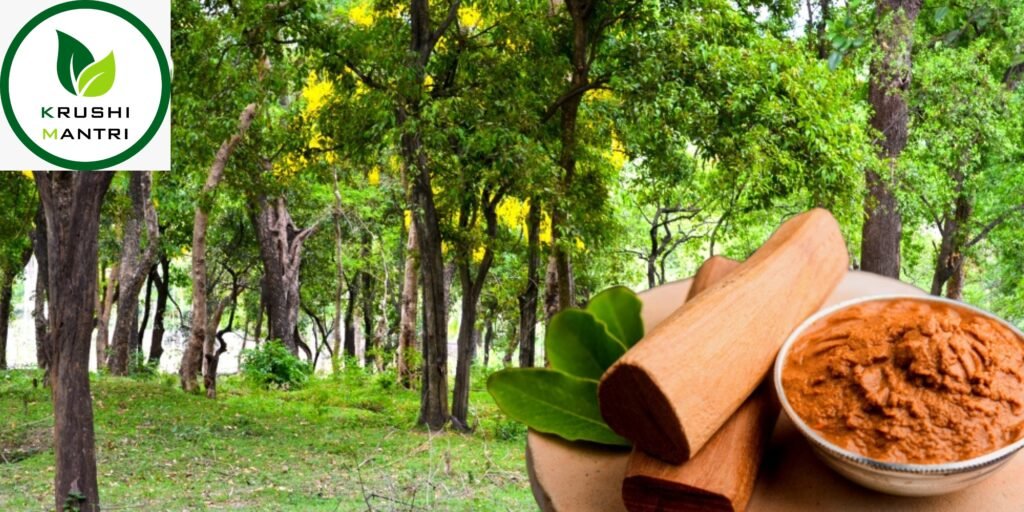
(719, 477)
(722, 475)
(672, 391)
(710, 272)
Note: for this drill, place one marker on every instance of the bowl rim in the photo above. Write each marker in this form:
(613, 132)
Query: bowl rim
(962, 466)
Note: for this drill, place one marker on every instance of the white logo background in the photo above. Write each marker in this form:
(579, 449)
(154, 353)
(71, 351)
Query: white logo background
(34, 84)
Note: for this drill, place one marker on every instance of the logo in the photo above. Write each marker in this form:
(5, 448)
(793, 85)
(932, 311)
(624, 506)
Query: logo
(85, 85)
(79, 72)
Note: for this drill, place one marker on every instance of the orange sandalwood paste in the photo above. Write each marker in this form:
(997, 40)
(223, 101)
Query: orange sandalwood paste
(909, 381)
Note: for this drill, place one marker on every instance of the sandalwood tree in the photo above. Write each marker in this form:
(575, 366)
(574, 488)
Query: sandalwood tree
(71, 203)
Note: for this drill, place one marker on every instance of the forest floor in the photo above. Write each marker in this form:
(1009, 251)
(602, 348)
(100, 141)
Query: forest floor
(347, 442)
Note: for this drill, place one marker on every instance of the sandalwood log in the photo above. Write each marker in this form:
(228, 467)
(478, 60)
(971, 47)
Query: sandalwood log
(675, 388)
(721, 476)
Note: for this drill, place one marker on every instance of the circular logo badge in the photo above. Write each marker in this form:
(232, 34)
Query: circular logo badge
(85, 85)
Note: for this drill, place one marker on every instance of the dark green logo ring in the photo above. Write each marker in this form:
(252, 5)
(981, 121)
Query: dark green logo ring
(165, 89)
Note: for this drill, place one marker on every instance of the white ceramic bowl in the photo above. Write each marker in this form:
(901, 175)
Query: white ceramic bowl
(889, 477)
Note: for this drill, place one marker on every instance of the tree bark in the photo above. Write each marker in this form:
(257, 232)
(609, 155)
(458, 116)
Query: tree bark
(163, 292)
(426, 219)
(409, 301)
(527, 299)
(488, 340)
(350, 318)
(370, 352)
(147, 310)
(9, 274)
(6, 292)
(71, 202)
(339, 285)
(215, 346)
(43, 348)
(103, 321)
(472, 287)
(550, 289)
(950, 260)
(581, 13)
(281, 244)
(135, 266)
(890, 81)
(513, 343)
(192, 359)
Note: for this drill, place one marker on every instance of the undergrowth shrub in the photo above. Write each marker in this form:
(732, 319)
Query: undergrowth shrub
(272, 365)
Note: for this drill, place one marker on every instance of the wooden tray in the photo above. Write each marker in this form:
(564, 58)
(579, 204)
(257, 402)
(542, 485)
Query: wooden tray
(581, 477)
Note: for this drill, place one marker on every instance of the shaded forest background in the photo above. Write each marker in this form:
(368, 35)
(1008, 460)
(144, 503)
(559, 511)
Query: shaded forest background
(408, 174)
(416, 186)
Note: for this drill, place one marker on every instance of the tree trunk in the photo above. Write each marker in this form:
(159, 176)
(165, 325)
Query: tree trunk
(512, 345)
(147, 310)
(528, 299)
(410, 298)
(350, 318)
(43, 348)
(71, 202)
(368, 306)
(489, 340)
(259, 313)
(7, 277)
(550, 290)
(103, 321)
(281, 244)
(426, 219)
(955, 286)
(192, 359)
(890, 81)
(581, 12)
(464, 361)
(163, 292)
(339, 285)
(950, 260)
(215, 345)
(472, 287)
(6, 292)
(135, 266)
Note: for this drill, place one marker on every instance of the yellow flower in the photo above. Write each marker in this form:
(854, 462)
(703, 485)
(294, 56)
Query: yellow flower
(374, 176)
(361, 14)
(469, 17)
(478, 254)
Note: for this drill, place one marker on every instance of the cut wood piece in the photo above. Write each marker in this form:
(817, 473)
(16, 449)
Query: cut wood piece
(673, 390)
(722, 475)
(719, 477)
(710, 272)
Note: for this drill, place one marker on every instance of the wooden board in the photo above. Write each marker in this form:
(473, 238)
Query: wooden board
(571, 477)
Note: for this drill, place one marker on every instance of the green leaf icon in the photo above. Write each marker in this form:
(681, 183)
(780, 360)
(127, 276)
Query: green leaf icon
(98, 78)
(72, 58)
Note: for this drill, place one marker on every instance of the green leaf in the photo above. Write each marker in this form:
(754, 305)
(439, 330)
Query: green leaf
(577, 344)
(941, 13)
(98, 78)
(552, 402)
(618, 308)
(72, 58)
(834, 59)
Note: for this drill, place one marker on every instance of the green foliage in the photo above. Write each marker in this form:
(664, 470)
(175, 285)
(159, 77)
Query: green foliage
(553, 402)
(618, 308)
(580, 345)
(351, 437)
(271, 365)
(562, 400)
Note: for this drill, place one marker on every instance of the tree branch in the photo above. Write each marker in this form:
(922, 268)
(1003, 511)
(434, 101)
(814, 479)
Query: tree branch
(994, 223)
(597, 83)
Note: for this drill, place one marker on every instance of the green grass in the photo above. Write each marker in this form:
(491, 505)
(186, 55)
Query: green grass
(345, 443)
